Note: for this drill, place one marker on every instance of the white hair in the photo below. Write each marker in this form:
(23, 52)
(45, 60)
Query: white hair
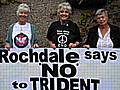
(23, 7)
(64, 5)
(100, 11)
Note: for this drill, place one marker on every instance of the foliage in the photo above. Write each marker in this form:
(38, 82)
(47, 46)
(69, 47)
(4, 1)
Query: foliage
(109, 1)
(84, 17)
(1, 42)
(53, 14)
(86, 21)
(2, 2)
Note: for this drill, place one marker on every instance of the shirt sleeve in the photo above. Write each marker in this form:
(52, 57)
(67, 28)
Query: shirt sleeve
(77, 33)
(34, 35)
(9, 35)
(50, 32)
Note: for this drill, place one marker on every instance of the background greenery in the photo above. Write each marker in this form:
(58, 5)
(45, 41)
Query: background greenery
(44, 12)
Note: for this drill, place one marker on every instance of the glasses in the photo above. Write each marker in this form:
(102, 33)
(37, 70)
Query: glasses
(64, 11)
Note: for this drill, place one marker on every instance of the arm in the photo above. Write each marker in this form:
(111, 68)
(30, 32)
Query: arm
(50, 36)
(92, 37)
(77, 37)
(34, 40)
(52, 45)
(8, 40)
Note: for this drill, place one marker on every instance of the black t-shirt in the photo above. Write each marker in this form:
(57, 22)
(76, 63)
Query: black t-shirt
(62, 35)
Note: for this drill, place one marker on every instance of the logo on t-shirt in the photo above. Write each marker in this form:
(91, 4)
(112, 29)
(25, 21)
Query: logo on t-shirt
(21, 40)
(62, 38)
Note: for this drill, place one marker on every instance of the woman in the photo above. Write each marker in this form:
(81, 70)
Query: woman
(22, 34)
(63, 33)
(104, 35)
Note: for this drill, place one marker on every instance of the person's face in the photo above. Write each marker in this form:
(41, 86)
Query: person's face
(23, 17)
(102, 19)
(64, 14)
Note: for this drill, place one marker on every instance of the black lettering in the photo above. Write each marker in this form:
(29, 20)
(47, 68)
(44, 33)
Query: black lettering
(34, 81)
(52, 84)
(21, 57)
(61, 55)
(72, 84)
(53, 57)
(71, 67)
(15, 84)
(113, 55)
(44, 84)
(43, 56)
(13, 57)
(84, 85)
(33, 54)
(95, 82)
(46, 68)
(96, 55)
(72, 57)
(60, 86)
(23, 85)
(3, 54)
(104, 56)
(88, 55)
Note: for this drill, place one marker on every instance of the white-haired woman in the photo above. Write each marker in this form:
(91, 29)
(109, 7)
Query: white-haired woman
(22, 34)
(104, 35)
(63, 33)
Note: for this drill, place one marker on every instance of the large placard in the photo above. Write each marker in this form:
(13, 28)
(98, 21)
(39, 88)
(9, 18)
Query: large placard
(60, 69)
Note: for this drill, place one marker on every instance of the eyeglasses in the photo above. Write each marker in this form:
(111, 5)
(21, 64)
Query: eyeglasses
(64, 11)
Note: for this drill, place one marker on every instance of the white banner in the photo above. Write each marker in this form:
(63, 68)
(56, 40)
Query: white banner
(60, 69)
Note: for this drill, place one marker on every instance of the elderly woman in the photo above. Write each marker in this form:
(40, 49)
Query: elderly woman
(63, 33)
(22, 34)
(104, 35)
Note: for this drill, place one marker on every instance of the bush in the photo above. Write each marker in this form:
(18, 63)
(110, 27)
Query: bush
(2, 2)
(88, 3)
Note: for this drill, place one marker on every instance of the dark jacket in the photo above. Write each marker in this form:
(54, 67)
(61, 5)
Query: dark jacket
(93, 36)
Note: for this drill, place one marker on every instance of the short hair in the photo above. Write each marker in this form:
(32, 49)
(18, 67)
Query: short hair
(65, 5)
(23, 7)
(100, 11)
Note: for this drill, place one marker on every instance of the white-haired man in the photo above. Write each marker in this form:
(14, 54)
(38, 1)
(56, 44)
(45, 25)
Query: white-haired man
(22, 34)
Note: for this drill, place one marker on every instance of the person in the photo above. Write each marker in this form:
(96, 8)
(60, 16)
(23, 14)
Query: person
(22, 34)
(103, 35)
(63, 33)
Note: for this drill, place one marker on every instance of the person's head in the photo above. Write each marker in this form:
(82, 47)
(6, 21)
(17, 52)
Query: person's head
(102, 16)
(23, 13)
(64, 11)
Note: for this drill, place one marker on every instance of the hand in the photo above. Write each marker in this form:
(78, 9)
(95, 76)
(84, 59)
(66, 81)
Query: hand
(72, 45)
(52, 45)
(35, 46)
(7, 46)
(86, 46)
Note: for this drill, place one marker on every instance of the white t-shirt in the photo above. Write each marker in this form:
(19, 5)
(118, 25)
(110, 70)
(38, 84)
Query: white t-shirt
(104, 42)
(21, 35)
